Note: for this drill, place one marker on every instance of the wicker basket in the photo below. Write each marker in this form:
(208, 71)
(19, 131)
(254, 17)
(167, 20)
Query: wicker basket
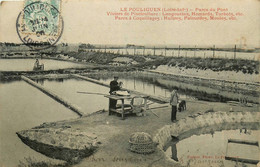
(142, 143)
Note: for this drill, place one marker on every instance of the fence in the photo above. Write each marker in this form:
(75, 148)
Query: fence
(212, 52)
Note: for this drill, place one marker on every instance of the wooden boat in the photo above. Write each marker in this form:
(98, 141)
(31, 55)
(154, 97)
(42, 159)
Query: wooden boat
(39, 67)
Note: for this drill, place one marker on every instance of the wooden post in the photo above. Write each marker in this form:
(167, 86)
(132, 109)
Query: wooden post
(179, 51)
(134, 51)
(235, 51)
(154, 50)
(195, 51)
(213, 51)
(123, 109)
(105, 49)
(165, 51)
(134, 83)
(145, 106)
(144, 51)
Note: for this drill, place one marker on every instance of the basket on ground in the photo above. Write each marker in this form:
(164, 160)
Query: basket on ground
(141, 142)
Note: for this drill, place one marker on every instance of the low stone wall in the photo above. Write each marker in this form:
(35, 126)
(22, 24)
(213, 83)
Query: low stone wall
(230, 85)
(62, 143)
(208, 121)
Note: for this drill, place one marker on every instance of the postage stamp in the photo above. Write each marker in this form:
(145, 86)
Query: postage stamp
(40, 24)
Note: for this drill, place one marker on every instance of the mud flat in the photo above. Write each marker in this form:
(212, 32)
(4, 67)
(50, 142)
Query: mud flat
(107, 136)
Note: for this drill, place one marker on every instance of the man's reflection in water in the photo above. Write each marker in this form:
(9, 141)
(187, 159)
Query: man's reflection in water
(40, 81)
(174, 142)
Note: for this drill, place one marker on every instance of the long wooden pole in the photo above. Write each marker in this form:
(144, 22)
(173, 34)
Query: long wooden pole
(93, 93)
(151, 97)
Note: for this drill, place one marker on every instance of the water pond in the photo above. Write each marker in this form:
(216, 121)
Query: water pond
(68, 88)
(24, 107)
(163, 87)
(27, 64)
(194, 151)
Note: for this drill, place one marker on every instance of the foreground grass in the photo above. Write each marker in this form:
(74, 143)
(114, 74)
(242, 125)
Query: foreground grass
(31, 162)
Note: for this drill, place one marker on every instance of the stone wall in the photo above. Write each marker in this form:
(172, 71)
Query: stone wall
(207, 122)
(235, 86)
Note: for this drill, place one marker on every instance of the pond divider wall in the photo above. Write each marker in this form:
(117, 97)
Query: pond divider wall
(150, 97)
(54, 96)
(206, 123)
(234, 85)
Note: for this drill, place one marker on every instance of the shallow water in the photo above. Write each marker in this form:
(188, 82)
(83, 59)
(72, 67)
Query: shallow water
(27, 64)
(68, 88)
(194, 151)
(162, 87)
(147, 86)
(22, 107)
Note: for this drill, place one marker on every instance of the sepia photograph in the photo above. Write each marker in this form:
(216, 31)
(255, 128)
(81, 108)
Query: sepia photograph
(129, 83)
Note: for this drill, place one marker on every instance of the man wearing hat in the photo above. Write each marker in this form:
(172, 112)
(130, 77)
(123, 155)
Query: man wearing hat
(173, 103)
(114, 86)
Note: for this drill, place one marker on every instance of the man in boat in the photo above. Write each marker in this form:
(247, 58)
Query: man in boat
(114, 86)
(36, 64)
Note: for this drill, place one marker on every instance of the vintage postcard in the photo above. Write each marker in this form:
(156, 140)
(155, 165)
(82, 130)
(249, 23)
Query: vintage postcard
(129, 83)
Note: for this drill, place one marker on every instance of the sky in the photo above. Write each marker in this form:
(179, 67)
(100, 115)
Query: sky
(86, 21)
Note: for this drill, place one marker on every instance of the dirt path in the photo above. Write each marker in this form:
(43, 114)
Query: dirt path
(114, 133)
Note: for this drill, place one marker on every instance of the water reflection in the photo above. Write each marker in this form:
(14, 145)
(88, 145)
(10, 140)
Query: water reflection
(41, 81)
(173, 145)
(195, 149)
(245, 131)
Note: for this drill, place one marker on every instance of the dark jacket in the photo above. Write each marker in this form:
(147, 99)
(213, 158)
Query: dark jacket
(114, 86)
